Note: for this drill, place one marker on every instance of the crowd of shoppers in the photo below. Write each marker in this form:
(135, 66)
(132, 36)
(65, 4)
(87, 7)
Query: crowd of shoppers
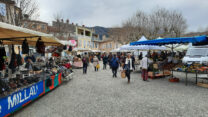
(126, 62)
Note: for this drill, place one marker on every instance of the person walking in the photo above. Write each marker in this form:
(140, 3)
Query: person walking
(133, 61)
(144, 66)
(128, 67)
(114, 65)
(140, 56)
(122, 60)
(85, 61)
(95, 63)
(110, 56)
(105, 61)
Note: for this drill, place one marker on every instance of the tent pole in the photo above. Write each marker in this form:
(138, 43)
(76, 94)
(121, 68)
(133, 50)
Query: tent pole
(172, 59)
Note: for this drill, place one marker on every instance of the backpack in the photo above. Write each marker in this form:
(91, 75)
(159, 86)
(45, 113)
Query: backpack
(84, 60)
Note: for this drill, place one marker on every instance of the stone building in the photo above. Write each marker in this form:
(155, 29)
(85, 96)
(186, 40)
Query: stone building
(62, 30)
(35, 25)
(10, 13)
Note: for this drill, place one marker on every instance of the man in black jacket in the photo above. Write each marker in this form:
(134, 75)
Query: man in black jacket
(85, 61)
(105, 61)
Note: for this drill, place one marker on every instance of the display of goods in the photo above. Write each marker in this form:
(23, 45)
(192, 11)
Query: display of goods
(155, 66)
(174, 80)
(150, 74)
(167, 73)
(168, 66)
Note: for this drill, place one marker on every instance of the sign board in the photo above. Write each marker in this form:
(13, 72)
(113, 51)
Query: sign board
(18, 99)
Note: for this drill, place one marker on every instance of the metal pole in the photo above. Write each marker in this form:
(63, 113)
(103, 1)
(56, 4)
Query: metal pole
(186, 77)
(172, 59)
(196, 77)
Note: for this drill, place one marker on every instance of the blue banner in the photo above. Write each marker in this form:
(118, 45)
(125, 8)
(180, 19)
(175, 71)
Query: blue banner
(16, 100)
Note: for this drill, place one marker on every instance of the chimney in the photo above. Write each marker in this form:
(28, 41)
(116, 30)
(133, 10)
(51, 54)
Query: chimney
(76, 24)
(62, 20)
(83, 25)
(67, 21)
(72, 23)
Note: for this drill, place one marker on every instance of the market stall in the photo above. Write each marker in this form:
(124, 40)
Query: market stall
(200, 40)
(26, 75)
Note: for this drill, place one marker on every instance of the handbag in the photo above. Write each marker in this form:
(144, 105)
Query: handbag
(123, 74)
(98, 66)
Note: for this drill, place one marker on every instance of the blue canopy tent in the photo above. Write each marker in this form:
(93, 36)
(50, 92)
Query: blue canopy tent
(195, 40)
(199, 40)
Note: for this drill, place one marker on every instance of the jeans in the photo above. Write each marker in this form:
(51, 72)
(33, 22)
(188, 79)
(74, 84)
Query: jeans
(84, 68)
(128, 74)
(96, 69)
(104, 65)
(114, 70)
(144, 74)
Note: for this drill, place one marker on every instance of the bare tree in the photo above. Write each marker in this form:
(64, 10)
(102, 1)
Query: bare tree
(160, 22)
(29, 7)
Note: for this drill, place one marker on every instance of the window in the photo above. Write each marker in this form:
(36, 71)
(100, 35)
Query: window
(80, 43)
(25, 25)
(84, 43)
(2, 9)
(80, 32)
(110, 45)
(42, 27)
(96, 46)
(87, 33)
(34, 26)
(88, 43)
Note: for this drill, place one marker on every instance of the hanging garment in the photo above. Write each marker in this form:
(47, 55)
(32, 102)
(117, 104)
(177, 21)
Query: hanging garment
(19, 60)
(70, 48)
(40, 47)
(13, 61)
(2, 55)
(60, 48)
(65, 47)
(25, 47)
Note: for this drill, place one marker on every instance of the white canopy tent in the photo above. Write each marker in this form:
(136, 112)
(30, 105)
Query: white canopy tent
(81, 49)
(182, 48)
(119, 50)
(96, 51)
(142, 47)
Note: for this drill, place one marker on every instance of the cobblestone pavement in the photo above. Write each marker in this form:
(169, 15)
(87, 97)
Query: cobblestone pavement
(97, 94)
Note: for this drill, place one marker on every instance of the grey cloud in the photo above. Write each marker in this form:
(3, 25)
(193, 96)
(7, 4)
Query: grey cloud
(113, 12)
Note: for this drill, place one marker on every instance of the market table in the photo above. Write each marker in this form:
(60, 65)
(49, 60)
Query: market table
(18, 99)
(196, 75)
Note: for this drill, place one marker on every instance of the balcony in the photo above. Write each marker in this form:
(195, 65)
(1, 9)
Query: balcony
(95, 39)
(73, 36)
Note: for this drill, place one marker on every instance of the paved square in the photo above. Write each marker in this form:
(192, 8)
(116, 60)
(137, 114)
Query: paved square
(97, 94)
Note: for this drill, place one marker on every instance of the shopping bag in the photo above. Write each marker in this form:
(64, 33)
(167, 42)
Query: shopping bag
(98, 66)
(123, 74)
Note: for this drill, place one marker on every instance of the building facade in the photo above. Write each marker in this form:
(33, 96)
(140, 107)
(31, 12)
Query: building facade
(10, 13)
(107, 44)
(35, 25)
(85, 36)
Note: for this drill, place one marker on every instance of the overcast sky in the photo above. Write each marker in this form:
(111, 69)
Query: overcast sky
(109, 13)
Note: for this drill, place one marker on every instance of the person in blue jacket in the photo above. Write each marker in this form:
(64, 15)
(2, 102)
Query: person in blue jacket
(114, 65)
